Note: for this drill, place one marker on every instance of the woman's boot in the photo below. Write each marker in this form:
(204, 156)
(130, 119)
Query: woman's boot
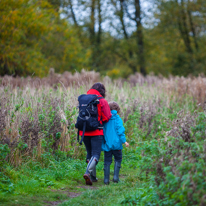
(90, 170)
(106, 174)
(117, 167)
(93, 175)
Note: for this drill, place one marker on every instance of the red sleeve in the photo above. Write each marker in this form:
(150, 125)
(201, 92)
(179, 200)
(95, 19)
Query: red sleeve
(106, 113)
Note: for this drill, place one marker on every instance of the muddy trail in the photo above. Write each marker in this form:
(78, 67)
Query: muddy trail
(74, 191)
(81, 189)
(71, 193)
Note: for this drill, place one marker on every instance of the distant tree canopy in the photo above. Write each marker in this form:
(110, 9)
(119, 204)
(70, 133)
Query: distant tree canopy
(114, 37)
(34, 38)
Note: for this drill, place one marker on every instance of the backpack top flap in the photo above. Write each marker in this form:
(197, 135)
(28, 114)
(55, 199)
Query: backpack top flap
(85, 99)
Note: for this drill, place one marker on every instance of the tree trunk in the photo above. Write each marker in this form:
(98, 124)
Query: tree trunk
(92, 22)
(92, 35)
(121, 17)
(4, 69)
(100, 23)
(140, 41)
(56, 4)
(72, 13)
(182, 22)
(126, 36)
(192, 25)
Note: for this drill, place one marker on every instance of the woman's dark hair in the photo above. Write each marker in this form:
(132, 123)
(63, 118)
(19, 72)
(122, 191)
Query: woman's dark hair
(100, 88)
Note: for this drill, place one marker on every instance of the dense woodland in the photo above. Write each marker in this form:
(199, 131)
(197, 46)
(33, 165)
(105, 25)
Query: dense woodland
(113, 37)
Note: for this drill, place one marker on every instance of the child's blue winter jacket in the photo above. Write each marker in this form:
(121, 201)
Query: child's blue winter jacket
(113, 133)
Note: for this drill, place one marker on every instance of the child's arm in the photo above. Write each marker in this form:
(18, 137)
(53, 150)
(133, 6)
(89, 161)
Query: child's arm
(126, 144)
(120, 129)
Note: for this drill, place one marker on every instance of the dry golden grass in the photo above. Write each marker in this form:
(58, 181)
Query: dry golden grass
(33, 110)
(194, 86)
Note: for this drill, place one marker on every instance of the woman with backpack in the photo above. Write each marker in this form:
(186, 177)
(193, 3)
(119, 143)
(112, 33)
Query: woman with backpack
(94, 110)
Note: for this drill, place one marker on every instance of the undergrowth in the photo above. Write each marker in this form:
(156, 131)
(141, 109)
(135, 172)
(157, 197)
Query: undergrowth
(41, 160)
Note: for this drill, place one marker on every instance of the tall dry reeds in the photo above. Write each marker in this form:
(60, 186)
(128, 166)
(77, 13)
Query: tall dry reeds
(38, 115)
(193, 86)
(53, 79)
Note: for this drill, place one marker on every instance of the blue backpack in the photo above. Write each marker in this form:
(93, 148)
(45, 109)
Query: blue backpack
(87, 119)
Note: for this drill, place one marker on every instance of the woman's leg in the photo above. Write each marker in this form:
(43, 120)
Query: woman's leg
(96, 142)
(87, 143)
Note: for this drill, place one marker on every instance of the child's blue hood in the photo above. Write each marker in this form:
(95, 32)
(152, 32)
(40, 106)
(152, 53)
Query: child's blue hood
(114, 112)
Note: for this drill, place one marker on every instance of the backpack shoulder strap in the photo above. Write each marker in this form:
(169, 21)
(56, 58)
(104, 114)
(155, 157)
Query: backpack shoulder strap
(84, 127)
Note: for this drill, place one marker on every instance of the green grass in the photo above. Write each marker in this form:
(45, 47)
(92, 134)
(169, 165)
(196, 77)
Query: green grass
(147, 174)
(31, 184)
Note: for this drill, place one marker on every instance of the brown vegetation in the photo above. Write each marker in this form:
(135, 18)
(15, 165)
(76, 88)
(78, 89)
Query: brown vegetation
(193, 86)
(38, 114)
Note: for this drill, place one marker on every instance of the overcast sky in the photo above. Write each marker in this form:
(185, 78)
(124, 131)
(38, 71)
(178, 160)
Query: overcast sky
(110, 22)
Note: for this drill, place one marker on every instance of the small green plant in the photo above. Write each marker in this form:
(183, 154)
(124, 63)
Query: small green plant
(6, 186)
(4, 152)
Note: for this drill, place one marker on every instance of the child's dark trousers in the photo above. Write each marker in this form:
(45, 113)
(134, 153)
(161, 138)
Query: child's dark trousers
(108, 156)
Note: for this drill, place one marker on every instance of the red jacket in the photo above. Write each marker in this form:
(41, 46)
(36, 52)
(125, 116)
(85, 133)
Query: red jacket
(104, 114)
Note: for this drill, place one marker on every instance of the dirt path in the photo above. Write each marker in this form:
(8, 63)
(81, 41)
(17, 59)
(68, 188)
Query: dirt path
(75, 192)
(70, 194)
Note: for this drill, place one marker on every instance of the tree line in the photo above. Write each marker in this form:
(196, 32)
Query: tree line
(113, 37)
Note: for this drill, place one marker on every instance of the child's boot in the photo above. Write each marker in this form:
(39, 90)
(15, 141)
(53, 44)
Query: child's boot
(106, 174)
(117, 167)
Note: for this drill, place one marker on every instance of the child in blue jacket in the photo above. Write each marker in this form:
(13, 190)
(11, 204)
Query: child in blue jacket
(114, 137)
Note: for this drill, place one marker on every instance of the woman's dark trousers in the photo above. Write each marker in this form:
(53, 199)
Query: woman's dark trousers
(93, 146)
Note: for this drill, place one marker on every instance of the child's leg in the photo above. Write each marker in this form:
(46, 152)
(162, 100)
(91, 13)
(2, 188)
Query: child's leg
(118, 159)
(107, 163)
